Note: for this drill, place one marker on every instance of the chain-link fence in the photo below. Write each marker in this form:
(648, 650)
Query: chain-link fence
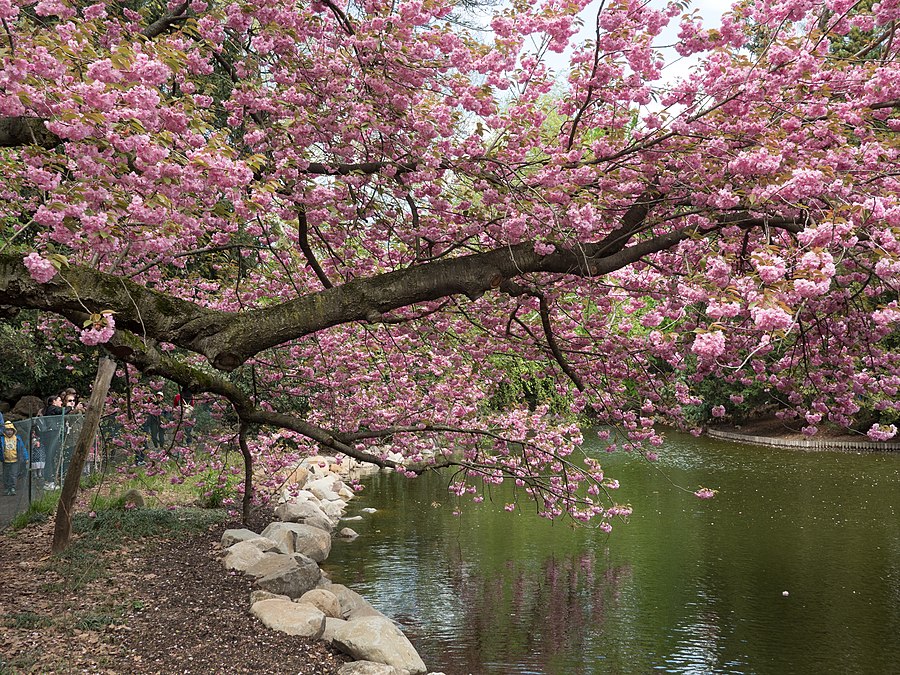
(49, 442)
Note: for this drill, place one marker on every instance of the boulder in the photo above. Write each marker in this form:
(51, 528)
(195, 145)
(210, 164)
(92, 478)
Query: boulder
(242, 556)
(351, 518)
(367, 668)
(348, 533)
(376, 638)
(299, 512)
(326, 601)
(334, 509)
(323, 523)
(290, 617)
(346, 493)
(133, 498)
(290, 575)
(331, 625)
(300, 538)
(231, 537)
(257, 595)
(353, 605)
(368, 509)
(326, 488)
(297, 476)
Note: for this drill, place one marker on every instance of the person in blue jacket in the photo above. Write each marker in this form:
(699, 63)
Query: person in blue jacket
(14, 451)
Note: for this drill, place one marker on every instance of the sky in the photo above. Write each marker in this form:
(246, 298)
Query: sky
(710, 10)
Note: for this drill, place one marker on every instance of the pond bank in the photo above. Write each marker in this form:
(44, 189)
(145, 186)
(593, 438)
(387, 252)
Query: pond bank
(843, 444)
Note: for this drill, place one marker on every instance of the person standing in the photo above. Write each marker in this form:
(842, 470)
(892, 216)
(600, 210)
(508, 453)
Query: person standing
(184, 405)
(14, 451)
(51, 429)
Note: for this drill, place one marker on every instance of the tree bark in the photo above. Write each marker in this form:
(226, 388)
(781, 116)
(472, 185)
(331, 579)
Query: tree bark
(62, 529)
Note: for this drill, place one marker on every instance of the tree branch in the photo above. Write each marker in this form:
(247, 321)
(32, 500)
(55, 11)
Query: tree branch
(228, 339)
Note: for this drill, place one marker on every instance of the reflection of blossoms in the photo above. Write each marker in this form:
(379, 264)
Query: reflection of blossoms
(40, 269)
(100, 332)
(705, 493)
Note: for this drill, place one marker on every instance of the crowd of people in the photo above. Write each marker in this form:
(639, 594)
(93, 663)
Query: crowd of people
(52, 433)
(44, 441)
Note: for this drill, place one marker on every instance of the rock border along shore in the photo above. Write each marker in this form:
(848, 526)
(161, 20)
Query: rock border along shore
(294, 596)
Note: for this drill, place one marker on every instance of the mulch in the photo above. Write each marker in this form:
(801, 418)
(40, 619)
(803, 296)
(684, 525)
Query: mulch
(161, 606)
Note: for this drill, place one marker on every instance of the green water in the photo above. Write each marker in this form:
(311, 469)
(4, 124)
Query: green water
(686, 586)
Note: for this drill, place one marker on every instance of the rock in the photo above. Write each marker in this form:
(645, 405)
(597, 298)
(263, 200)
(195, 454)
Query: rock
(322, 523)
(334, 509)
(368, 509)
(326, 601)
(231, 537)
(326, 488)
(376, 638)
(290, 575)
(242, 556)
(318, 465)
(346, 494)
(367, 668)
(299, 512)
(352, 518)
(348, 533)
(331, 625)
(300, 538)
(133, 498)
(257, 595)
(353, 605)
(298, 476)
(290, 617)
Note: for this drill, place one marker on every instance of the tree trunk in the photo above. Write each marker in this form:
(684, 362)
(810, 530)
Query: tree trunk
(63, 527)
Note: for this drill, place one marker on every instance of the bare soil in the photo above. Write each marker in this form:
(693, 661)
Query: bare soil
(161, 605)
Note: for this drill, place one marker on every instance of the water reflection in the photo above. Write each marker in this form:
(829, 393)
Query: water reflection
(686, 587)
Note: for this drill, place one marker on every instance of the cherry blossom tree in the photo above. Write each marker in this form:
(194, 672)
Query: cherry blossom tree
(363, 208)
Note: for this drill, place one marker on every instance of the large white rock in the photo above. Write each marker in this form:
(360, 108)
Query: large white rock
(376, 638)
(231, 537)
(367, 668)
(326, 488)
(353, 605)
(331, 625)
(289, 617)
(326, 601)
(334, 509)
(348, 533)
(300, 538)
(257, 595)
(245, 554)
(290, 575)
(299, 512)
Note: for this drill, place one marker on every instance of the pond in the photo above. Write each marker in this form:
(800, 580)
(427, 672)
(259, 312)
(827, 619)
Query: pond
(686, 586)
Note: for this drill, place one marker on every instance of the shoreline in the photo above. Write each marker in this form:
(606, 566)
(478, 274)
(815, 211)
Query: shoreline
(797, 441)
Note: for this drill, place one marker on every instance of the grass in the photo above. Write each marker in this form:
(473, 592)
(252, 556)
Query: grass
(38, 511)
(26, 620)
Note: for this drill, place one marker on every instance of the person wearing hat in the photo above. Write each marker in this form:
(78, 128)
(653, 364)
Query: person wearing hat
(14, 451)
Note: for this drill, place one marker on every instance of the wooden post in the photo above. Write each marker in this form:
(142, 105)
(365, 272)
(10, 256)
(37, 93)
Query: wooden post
(62, 530)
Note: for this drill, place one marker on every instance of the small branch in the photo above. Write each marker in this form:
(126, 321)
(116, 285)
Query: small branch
(340, 16)
(248, 471)
(303, 236)
(163, 23)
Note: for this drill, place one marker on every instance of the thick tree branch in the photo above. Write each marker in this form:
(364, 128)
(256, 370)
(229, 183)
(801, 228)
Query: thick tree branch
(166, 21)
(228, 339)
(145, 355)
